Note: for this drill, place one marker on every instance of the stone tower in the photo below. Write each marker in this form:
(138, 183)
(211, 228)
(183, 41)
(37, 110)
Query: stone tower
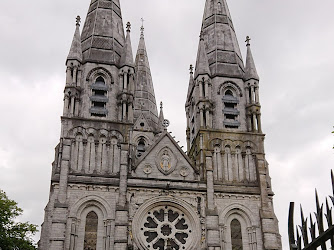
(120, 181)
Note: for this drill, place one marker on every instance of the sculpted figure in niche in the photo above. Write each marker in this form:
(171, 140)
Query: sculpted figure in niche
(165, 161)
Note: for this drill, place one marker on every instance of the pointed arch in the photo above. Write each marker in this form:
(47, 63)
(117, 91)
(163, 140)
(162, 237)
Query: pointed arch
(229, 85)
(100, 71)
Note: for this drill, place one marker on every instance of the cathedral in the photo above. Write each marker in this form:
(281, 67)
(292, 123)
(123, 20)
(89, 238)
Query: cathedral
(119, 179)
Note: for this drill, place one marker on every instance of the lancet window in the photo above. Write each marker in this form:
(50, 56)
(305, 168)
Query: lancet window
(236, 235)
(99, 98)
(230, 111)
(90, 242)
(141, 147)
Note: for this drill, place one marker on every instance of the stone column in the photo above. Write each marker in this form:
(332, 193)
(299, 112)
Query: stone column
(72, 105)
(75, 72)
(76, 110)
(64, 169)
(247, 95)
(206, 89)
(201, 117)
(271, 237)
(59, 219)
(125, 77)
(259, 125)
(130, 112)
(257, 98)
(249, 123)
(200, 85)
(254, 123)
(79, 77)
(208, 118)
(252, 94)
(124, 110)
(65, 111)
(122, 213)
(212, 219)
(68, 75)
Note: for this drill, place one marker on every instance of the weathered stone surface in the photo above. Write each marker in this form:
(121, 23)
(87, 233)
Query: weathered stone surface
(115, 158)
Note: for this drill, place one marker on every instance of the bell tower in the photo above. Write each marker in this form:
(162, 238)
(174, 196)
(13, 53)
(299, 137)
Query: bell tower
(224, 132)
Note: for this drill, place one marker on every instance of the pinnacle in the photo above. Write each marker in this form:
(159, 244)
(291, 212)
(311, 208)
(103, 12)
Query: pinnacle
(202, 64)
(127, 55)
(250, 70)
(76, 51)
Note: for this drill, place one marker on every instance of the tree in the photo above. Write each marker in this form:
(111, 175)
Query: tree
(14, 235)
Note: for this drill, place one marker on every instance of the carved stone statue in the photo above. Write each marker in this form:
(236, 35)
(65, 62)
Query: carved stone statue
(165, 161)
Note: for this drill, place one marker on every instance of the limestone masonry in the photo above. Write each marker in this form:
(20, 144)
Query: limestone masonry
(120, 181)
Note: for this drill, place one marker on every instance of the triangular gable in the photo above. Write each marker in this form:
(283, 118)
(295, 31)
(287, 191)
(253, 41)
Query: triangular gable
(165, 160)
(142, 124)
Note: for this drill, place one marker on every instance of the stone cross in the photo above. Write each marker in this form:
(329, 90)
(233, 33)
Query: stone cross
(191, 69)
(248, 39)
(78, 20)
(128, 26)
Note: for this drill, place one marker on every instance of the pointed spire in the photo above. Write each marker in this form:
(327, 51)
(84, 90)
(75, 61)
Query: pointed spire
(202, 63)
(161, 118)
(103, 36)
(76, 51)
(127, 55)
(220, 40)
(250, 70)
(191, 82)
(145, 101)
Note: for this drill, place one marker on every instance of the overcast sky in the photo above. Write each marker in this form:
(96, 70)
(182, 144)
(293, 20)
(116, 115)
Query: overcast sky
(293, 47)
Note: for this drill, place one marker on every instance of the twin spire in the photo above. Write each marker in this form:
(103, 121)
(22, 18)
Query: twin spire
(103, 41)
(219, 52)
(145, 102)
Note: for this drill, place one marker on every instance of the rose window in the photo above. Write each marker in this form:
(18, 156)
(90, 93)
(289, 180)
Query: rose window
(166, 228)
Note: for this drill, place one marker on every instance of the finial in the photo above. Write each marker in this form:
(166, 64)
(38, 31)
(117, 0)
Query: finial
(142, 27)
(248, 39)
(78, 21)
(128, 27)
(191, 69)
(161, 105)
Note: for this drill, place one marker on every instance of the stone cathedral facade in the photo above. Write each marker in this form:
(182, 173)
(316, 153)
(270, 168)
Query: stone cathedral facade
(120, 181)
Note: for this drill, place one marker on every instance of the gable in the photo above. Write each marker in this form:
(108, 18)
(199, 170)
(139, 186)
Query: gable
(165, 160)
(142, 124)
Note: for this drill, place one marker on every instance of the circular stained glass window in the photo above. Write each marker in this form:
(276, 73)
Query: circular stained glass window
(167, 226)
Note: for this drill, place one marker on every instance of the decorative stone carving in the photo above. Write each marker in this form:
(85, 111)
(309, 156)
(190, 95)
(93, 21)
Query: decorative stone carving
(147, 169)
(184, 171)
(166, 161)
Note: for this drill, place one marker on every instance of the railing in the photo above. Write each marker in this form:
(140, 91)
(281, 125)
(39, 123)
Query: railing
(312, 234)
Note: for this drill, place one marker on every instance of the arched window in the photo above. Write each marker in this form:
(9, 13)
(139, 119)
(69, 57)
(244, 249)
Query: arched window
(99, 98)
(236, 235)
(91, 231)
(230, 111)
(141, 147)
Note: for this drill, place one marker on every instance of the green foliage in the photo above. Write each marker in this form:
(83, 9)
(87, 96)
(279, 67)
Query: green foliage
(14, 235)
